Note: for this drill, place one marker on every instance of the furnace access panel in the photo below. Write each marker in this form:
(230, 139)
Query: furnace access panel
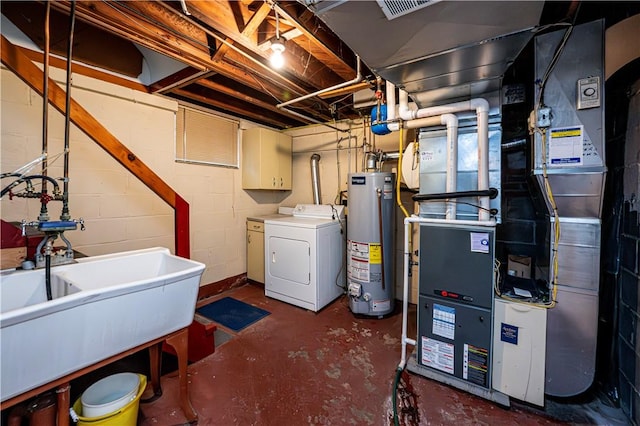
(456, 297)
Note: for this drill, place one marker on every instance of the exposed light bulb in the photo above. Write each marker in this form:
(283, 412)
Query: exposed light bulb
(277, 59)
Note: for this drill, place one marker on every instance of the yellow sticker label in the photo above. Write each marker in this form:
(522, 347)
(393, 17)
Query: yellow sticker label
(375, 253)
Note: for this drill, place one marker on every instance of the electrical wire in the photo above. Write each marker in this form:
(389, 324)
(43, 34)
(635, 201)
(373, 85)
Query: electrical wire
(398, 198)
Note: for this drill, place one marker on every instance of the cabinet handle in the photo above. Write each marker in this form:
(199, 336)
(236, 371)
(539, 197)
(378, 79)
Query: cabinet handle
(249, 238)
(281, 182)
(274, 181)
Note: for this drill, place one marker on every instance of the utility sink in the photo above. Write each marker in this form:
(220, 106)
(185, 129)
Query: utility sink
(101, 306)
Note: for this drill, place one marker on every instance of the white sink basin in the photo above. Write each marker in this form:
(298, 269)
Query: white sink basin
(101, 306)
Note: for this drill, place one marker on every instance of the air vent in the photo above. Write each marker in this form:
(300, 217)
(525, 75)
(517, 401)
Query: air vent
(396, 8)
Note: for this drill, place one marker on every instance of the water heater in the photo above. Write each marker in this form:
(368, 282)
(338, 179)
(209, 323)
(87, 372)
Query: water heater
(370, 246)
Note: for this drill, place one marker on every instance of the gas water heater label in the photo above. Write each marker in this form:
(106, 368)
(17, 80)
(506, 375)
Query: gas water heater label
(444, 321)
(375, 253)
(358, 261)
(437, 354)
(479, 242)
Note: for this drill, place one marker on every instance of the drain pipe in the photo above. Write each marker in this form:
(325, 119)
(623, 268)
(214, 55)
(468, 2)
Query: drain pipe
(315, 179)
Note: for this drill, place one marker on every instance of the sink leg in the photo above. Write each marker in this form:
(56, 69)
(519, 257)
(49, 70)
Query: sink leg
(63, 404)
(179, 341)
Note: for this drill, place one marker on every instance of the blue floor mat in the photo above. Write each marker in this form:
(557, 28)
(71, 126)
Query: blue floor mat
(232, 313)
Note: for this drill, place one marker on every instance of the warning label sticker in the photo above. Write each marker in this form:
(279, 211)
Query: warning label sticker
(358, 261)
(475, 364)
(437, 354)
(375, 253)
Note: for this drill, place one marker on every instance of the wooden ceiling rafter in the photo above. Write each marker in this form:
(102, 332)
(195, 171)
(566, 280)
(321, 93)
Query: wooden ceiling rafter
(146, 34)
(321, 48)
(220, 38)
(225, 106)
(309, 73)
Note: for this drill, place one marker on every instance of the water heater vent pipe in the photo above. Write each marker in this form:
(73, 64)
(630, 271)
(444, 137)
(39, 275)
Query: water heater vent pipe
(315, 179)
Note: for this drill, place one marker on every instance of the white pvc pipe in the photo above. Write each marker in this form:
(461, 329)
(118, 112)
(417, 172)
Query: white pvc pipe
(414, 124)
(481, 107)
(391, 101)
(405, 278)
(482, 110)
(452, 161)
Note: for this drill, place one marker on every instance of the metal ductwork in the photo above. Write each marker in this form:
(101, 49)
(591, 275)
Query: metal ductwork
(315, 179)
(422, 49)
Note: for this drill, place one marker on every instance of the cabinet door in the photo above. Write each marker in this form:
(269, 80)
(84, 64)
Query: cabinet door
(284, 161)
(266, 159)
(255, 255)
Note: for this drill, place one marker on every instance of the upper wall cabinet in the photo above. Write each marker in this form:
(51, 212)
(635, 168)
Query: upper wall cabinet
(266, 159)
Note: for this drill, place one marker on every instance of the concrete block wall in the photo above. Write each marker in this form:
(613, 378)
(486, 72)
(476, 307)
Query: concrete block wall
(120, 212)
(629, 316)
(629, 299)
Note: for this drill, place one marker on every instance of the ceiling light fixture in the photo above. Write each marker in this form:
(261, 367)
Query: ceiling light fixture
(277, 47)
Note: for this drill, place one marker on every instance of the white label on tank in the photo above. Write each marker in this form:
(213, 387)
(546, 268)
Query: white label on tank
(437, 354)
(444, 321)
(387, 191)
(381, 305)
(358, 261)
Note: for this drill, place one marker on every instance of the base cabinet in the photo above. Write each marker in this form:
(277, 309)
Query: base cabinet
(255, 251)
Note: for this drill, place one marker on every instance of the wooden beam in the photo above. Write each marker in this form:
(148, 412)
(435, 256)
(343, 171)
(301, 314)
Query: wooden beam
(249, 29)
(300, 63)
(26, 70)
(323, 44)
(274, 120)
(242, 96)
(133, 20)
(84, 70)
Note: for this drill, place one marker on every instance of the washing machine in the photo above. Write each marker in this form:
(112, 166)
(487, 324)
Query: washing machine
(305, 256)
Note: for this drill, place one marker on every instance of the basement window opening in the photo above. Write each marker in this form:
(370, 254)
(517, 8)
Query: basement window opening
(205, 138)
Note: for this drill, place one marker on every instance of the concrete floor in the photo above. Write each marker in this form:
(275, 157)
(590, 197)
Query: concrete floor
(296, 367)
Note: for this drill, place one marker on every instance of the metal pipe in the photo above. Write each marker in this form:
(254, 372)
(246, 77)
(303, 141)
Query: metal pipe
(357, 79)
(45, 114)
(183, 3)
(64, 215)
(312, 120)
(315, 179)
(380, 229)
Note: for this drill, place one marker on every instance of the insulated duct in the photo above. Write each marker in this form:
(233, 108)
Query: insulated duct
(315, 179)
